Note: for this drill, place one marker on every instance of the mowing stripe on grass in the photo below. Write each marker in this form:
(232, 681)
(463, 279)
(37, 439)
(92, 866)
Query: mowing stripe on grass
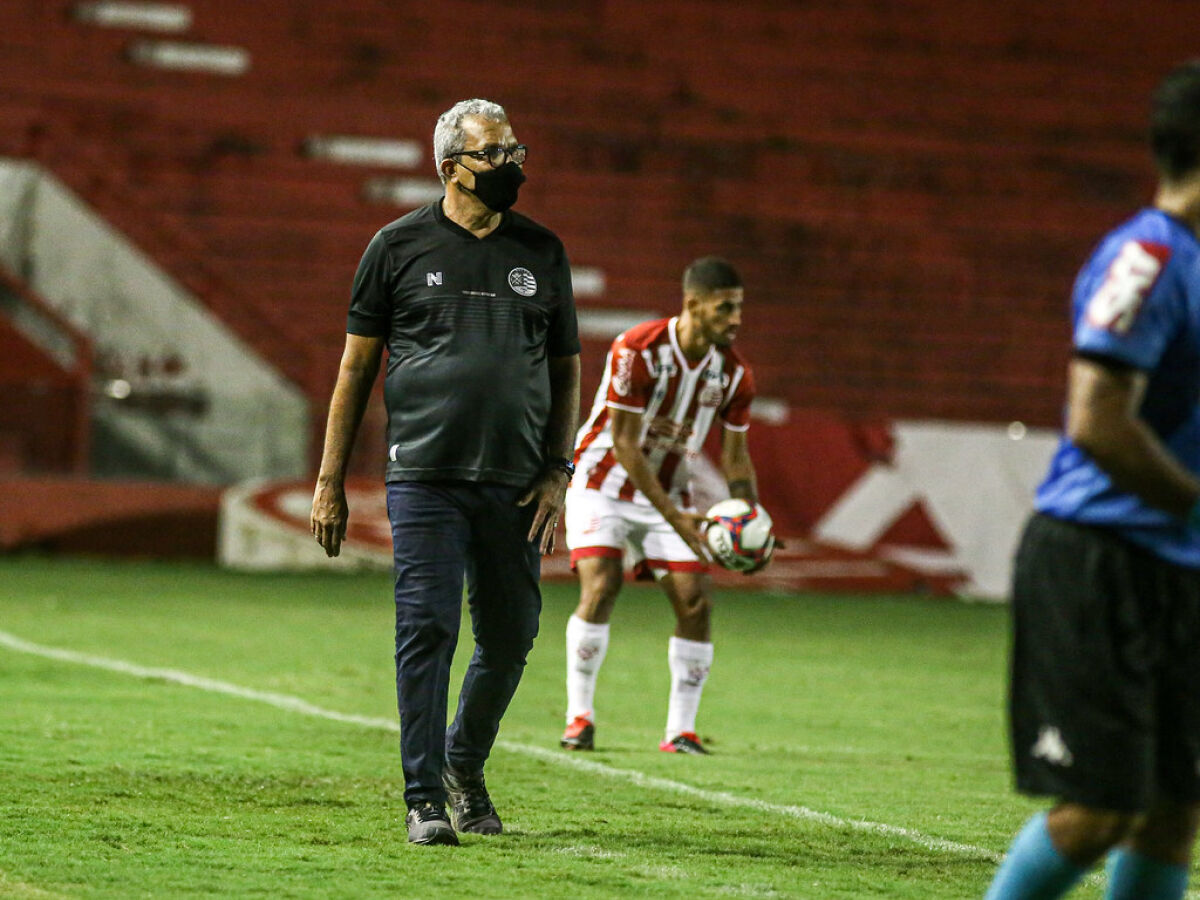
(723, 798)
(297, 705)
(10, 888)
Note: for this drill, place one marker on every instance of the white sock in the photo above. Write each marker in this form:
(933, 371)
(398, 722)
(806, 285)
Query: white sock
(586, 645)
(689, 662)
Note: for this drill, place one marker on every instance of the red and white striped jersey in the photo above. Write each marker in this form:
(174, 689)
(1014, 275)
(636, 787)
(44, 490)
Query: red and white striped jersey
(647, 373)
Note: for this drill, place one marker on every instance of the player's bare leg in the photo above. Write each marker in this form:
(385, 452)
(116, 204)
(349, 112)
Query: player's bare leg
(1154, 860)
(600, 579)
(1083, 834)
(689, 655)
(1054, 850)
(1150, 860)
(689, 596)
(1167, 832)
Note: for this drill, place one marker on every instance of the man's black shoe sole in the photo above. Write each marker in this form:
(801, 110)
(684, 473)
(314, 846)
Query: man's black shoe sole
(584, 740)
(480, 828)
(443, 838)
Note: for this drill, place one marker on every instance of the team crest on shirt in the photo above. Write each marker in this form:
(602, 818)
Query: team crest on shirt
(522, 281)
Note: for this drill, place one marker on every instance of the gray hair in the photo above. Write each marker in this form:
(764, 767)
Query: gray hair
(448, 135)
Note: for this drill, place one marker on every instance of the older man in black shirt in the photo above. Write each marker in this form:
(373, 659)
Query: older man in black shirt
(475, 307)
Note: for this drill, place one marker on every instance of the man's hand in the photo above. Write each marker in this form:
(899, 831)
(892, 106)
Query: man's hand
(550, 492)
(329, 515)
(690, 527)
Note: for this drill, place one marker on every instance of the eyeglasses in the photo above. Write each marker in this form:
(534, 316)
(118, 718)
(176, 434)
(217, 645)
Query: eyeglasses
(495, 155)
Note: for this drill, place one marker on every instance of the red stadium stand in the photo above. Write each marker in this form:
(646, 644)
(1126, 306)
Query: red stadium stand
(908, 193)
(44, 399)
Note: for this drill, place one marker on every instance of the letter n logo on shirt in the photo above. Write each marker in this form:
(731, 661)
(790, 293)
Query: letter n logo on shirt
(432, 278)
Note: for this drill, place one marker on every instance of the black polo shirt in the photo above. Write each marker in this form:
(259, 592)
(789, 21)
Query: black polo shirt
(469, 324)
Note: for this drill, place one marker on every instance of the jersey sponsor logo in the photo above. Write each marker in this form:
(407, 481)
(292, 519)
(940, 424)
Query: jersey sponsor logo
(1051, 747)
(522, 281)
(664, 365)
(664, 433)
(622, 380)
(711, 396)
(433, 278)
(1126, 285)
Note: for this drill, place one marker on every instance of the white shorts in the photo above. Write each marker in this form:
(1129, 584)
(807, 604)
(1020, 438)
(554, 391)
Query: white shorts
(601, 526)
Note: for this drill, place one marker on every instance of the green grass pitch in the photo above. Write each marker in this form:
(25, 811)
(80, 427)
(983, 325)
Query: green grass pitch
(858, 748)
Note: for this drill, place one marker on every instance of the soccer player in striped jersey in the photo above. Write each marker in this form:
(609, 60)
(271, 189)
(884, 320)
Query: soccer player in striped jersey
(665, 383)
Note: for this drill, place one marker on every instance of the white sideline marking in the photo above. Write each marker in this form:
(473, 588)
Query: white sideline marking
(722, 798)
(295, 704)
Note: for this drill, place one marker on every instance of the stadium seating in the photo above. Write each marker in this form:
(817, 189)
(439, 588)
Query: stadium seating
(908, 193)
(44, 395)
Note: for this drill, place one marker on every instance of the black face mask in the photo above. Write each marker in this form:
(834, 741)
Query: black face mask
(497, 188)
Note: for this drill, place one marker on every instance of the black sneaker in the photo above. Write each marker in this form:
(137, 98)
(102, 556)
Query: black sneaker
(580, 735)
(470, 806)
(684, 743)
(428, 824)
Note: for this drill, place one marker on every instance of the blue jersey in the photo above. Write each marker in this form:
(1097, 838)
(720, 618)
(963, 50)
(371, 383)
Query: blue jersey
(1137, 302)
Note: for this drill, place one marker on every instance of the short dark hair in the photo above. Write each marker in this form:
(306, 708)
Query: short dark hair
(1175, 122)
(710, 273)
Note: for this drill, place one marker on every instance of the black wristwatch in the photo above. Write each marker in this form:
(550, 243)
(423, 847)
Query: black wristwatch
(562, 464)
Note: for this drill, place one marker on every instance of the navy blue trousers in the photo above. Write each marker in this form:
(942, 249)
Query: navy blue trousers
(442, 531)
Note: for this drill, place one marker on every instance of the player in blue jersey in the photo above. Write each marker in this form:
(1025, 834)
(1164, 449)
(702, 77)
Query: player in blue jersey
(1105, 693)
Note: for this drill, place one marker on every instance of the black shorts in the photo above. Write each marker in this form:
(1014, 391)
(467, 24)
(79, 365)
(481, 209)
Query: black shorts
(1105, 693)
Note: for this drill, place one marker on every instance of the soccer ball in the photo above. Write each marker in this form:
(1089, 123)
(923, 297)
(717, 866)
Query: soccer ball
(738, 534)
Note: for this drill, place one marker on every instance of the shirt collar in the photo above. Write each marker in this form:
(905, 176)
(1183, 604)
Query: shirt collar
(445, 221)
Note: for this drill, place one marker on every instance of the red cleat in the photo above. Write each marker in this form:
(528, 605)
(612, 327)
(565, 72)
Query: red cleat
(580, 735)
